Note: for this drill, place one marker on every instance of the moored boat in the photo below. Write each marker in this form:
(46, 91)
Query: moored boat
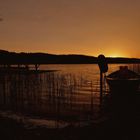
(123, 80)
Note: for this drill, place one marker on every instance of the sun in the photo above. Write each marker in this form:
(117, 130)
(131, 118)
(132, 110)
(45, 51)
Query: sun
(114, 55)
(117, 54)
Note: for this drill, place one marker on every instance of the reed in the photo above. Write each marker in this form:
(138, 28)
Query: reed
(49, 95)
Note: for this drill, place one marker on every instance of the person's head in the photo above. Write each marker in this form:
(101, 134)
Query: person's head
(102, 62)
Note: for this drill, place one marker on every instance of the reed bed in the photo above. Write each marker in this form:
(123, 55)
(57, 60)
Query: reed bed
(135, 67)
(50, 95)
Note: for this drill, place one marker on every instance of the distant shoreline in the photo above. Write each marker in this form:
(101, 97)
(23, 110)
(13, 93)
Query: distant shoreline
(45, 58)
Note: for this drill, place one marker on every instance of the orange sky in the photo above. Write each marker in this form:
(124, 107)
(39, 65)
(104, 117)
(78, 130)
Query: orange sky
(86, 27)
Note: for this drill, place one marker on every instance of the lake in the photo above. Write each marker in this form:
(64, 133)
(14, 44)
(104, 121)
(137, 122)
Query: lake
(68, 94)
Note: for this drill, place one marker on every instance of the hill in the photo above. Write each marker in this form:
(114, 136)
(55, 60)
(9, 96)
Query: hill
(45, 58)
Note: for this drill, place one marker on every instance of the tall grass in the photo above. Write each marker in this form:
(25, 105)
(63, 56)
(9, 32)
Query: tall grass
(49, 95)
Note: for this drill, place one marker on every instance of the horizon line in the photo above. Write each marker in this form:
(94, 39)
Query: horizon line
(68, 54)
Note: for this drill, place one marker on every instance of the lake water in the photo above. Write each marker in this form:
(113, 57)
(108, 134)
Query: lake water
(90, 71)
(68, 94)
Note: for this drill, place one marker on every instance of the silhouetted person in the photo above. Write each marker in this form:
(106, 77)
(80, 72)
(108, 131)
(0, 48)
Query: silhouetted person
(102, 62)
(103, 66)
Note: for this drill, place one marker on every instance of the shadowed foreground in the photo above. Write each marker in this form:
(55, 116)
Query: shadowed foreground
(110, 129)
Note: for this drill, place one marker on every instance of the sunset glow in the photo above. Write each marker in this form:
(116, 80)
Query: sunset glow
(115, 55)
(118, 54)
(89, 27)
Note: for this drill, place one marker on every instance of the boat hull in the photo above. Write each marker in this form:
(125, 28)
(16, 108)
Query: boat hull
(127, 85)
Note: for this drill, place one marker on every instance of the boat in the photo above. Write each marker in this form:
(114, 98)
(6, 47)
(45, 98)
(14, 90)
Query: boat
(123, 80)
